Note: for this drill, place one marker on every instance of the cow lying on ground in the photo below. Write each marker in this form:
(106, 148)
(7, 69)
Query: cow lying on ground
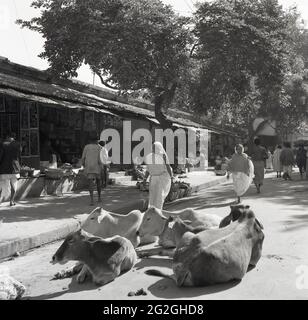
(106, 224)
(104, 259)
(154, 223)
(216, 255)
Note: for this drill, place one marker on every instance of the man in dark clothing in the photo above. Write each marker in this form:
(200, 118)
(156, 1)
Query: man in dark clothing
(9, 164)
(301, 159)
(287, 161)
(258, 157)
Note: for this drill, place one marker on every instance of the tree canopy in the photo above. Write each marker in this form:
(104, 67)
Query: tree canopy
(233, 61)
(129, 44)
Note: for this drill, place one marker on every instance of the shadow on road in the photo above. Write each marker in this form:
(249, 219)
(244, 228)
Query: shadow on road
(73, 287)
(167, 289)
(154, 262)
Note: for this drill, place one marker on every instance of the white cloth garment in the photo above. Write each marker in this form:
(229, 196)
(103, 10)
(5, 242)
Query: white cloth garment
(241, 181)
(159, 189)
(276, 161)
(160, 180)
(104, 156)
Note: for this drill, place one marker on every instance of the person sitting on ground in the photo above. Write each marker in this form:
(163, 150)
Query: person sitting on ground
(9, 164)
(287, 161)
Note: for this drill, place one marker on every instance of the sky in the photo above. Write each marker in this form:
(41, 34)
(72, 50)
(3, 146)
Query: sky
(23, 46)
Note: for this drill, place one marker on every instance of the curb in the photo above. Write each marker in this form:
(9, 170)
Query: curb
(10, 247)
(209, 184)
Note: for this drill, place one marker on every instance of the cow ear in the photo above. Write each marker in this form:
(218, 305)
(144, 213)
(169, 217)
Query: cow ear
(187, 222)
(225, 221)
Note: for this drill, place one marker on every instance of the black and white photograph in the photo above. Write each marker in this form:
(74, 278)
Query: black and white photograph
(154, 152)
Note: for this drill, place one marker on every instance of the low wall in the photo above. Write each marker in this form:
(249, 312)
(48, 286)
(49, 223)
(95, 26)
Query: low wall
(34, 187)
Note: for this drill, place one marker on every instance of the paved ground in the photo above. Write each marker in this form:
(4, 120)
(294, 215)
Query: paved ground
(282, 208)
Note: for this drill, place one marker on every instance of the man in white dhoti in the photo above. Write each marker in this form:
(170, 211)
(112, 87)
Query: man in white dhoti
(160, 172)
(242, 169)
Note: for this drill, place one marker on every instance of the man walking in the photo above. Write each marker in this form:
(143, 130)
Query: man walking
(9, 165)
(104, 159)
(287, 161)
(258, 157)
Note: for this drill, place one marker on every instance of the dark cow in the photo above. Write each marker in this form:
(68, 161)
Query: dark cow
(104, 259)
(217, 255)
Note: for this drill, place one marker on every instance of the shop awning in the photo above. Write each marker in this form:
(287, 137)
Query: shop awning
(194, 128)
(52, 102)
(154, 120)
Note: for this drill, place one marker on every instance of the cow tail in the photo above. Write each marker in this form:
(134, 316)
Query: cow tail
(157, 273)
(179, 280)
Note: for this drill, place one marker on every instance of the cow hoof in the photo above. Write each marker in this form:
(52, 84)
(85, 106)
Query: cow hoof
(143, 254)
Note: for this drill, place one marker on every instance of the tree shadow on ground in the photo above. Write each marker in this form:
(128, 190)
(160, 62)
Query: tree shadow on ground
(289, 195)
(67, 206)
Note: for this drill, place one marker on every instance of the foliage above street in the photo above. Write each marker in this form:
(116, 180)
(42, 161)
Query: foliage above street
(231, 62)
(247, 48)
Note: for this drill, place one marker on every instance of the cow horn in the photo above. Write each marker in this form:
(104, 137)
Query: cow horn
(259, 223)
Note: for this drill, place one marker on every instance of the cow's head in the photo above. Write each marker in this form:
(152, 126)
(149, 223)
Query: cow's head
(91, 224)
(174, 230)
(243, 214)
(236, 212)
(70, 248)
(153, 223)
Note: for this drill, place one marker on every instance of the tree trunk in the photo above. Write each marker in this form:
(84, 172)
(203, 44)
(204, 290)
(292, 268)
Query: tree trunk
(159, 115)
(162, 99)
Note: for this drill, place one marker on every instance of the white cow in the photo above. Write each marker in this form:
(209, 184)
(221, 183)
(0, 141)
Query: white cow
(154, 223)
(102, 223)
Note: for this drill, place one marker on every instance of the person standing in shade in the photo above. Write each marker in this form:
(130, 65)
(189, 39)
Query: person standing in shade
(301, 159)
(242, 171)
(258, 157)
(269, 160)
(287, 161)
(276, 161)
(9, 164)
(105, 161)
(160, 172)
(91, 161)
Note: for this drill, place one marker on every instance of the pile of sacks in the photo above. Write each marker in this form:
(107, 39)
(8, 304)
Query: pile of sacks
(10, 289)
(179, 189)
